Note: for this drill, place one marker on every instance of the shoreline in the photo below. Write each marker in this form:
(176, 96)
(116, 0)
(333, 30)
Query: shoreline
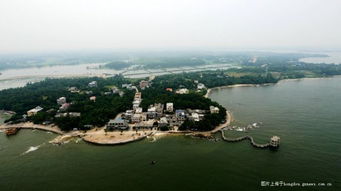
(209, 90)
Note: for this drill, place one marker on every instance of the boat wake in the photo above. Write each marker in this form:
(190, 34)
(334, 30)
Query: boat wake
(32, 148)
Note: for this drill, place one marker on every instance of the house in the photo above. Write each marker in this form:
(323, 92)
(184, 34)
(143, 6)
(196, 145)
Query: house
(128, 86)
(138, 96)
(117, 124)
(195, 117)
(163, 122)
(180, 115)
(159, 108)
(93, 98)
(64, 107)
(214, 109)
(121, 93)
(92, 84)
(136, 104)
(138, 110)
(155, 111)
(61, 100)
(144, 84)
(115, 90)
(138, 117)
(73, 90)
(151, 112)
(201, 86)
(182, 91)
(169, 89)
(69, 114)
(34, 111)
(128, 115)
(169, 107)
(144, 125)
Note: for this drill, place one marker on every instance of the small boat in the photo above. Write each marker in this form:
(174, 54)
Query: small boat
(153, 162)
(11, 131)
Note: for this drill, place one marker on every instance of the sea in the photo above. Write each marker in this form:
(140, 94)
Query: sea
(305, 114)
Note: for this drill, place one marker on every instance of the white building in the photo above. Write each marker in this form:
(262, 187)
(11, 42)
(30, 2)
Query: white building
(182, 91)
(138, 110)
(93, 98)
(34, 111)
(137, 118)
(169, 107)
(61, 100)
(195, 117)
(201, 86)
(214, 109)
(92, 84)
(64, 107)
(136, 104)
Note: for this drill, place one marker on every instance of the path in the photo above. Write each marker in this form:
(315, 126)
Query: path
(27, 125)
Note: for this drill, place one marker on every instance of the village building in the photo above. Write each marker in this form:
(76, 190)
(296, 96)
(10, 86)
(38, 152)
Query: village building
(88, 92)
(145, 125)
(182, 91)
(73, 90)
(169, 107)
(128, 86)
(92, 84)
(138, 96)
(128, 115)
(151, 113)
(121, 93)
(214, 109)
(195, 117)
(69, 114)
(93, 98)
(61, 100)
(115, 90)
(138, 117)
(136, 104)
(155, 111)
(138, 110)
(144, 84)
(169, 89)
(201, 86)
(180, 115)
(34, 111)
(64, 107)
(117, 124)
(163, 122)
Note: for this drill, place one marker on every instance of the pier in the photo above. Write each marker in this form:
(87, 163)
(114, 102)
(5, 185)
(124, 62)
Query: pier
(273, 144)
(32, 126)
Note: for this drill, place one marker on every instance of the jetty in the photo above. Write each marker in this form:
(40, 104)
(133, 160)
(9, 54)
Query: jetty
(273, 144)
(31, 126)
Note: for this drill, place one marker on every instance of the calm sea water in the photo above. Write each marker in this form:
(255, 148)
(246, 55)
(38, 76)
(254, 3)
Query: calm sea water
(306, 114)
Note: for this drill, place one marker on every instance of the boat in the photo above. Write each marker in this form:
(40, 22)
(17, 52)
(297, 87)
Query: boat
(11, 131)
(153, 162)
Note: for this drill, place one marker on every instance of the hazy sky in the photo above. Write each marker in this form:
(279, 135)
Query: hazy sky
(49, 25)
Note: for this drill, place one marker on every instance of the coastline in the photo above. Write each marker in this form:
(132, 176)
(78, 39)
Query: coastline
(209, 90)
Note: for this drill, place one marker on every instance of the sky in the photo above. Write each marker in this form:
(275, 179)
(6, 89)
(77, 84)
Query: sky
(63, 25)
